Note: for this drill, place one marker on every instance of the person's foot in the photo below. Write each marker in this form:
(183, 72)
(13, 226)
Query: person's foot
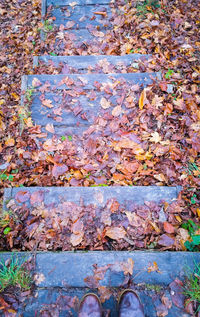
(90, 306)
(130, 305)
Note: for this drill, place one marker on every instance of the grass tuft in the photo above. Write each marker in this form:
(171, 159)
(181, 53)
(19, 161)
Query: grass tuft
(192, 285)
(14, 274)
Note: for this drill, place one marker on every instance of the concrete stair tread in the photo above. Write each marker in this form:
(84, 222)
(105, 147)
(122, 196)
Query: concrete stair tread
(84, 99)
(93, 208)
(63, 278)
(99, 63)
(64, 3)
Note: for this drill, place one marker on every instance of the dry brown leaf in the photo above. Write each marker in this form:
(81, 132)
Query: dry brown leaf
(76, 239)
(117, 111)
(47, 103)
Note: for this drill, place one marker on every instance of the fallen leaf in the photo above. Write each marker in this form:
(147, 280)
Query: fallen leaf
(168, 227)
(105, 104)
(156, 138)
(50, 128)
(115, 233)
(117, 111)
(75, 239)
(142, 99)
(10, 142)
(47, 103)
(36, 82)
(165, 240)
(59, 169)
(22, 196)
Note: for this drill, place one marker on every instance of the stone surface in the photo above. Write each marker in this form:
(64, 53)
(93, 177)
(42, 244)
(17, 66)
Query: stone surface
(99, 195)
(80, 64)
(60, 278)
(78, 104)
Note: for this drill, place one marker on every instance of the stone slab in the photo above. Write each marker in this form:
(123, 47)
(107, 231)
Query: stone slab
(81, 63)
(123, 194)
(82, 16)
(89, 109)
(63, 274)
(78, 2)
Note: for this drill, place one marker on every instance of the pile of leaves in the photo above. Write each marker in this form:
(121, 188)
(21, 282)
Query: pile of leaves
(33, 222)
(169, 33)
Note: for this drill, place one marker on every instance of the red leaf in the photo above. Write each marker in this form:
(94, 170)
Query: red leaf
(22, 196)
(37, 197)
(168, 227)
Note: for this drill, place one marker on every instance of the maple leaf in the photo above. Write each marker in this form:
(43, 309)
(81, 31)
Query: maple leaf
(105, 104)
(156, 138)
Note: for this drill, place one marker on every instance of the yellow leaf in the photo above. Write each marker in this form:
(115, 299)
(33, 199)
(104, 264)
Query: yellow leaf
(178, 218)
(2, 101)
(142, 99)
(10, 142)
(198, 212)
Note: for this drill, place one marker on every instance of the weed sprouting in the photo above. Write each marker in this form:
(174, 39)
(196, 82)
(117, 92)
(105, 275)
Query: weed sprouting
(14, 274)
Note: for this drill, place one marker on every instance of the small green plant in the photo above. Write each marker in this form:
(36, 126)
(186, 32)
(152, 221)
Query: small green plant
(191, 168)
(29, 94)
(99, 185)
(5, 177)
(191, 287)
(24, 113)
(47, 27)
(192, 228)
(14, 274)
(53, 54)
(147, 6)
(69, 137)
(169, 73)
(63, 138)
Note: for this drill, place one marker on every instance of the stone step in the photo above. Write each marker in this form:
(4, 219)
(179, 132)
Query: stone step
(48, 215)
(92, 64)
(79, 24)
(63, 278)
(74, 102)
(82, 16)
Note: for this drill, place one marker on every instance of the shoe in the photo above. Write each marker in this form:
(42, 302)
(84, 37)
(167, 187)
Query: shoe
(90, 306)
(130, 305)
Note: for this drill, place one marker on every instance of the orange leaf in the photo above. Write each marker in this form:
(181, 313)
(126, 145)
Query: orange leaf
(47, 103)
(142, 99)
(10, 142)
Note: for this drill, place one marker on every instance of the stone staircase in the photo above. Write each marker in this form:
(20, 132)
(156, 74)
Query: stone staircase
(77, 100)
